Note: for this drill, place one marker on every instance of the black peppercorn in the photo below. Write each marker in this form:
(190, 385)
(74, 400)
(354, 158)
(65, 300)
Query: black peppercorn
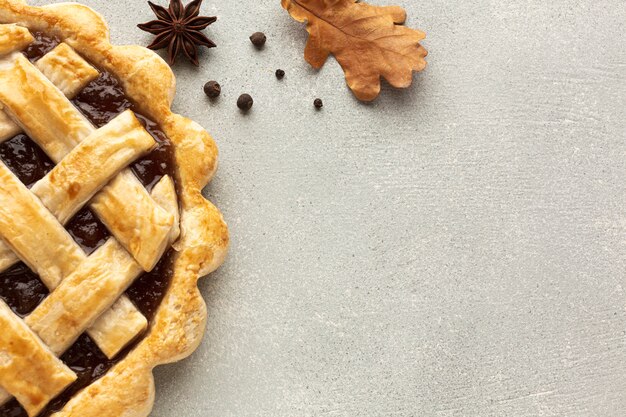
(280, 74)
(318, 103)
(245, 102)
(258, 39)
(212, 89)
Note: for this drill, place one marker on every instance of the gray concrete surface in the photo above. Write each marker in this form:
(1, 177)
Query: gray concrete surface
(456, 249)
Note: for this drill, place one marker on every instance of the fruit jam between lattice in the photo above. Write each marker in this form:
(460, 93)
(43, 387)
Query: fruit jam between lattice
(100, 101)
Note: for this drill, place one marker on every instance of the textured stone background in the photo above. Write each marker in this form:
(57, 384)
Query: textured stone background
(456, 249)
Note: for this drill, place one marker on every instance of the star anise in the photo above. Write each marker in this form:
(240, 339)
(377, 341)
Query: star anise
(178, 28)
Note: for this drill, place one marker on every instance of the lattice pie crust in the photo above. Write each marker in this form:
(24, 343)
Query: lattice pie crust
(87, 291)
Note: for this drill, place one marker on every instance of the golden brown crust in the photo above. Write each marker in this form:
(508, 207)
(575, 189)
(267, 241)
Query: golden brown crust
(178, 326)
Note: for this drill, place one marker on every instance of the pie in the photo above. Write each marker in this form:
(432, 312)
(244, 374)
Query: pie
(104, 231)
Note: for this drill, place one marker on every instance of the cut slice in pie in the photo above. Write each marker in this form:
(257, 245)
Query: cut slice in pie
(103, 228)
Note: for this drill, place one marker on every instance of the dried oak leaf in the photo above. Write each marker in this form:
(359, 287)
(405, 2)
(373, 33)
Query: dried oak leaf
(367, 41)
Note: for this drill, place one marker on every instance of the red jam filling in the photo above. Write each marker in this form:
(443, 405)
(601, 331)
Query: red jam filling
(100, 101)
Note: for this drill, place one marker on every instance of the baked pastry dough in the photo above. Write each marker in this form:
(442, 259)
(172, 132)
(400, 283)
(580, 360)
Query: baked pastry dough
(91, 169)
(57, 126)
(14, 38)
(36, 378)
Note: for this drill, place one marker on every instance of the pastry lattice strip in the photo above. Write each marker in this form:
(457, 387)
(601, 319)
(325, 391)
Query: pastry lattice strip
(48, 117)
(87, 286)
(37, 378)
(14, 38)
(84, 287)
(110, 269)
(134, 322)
